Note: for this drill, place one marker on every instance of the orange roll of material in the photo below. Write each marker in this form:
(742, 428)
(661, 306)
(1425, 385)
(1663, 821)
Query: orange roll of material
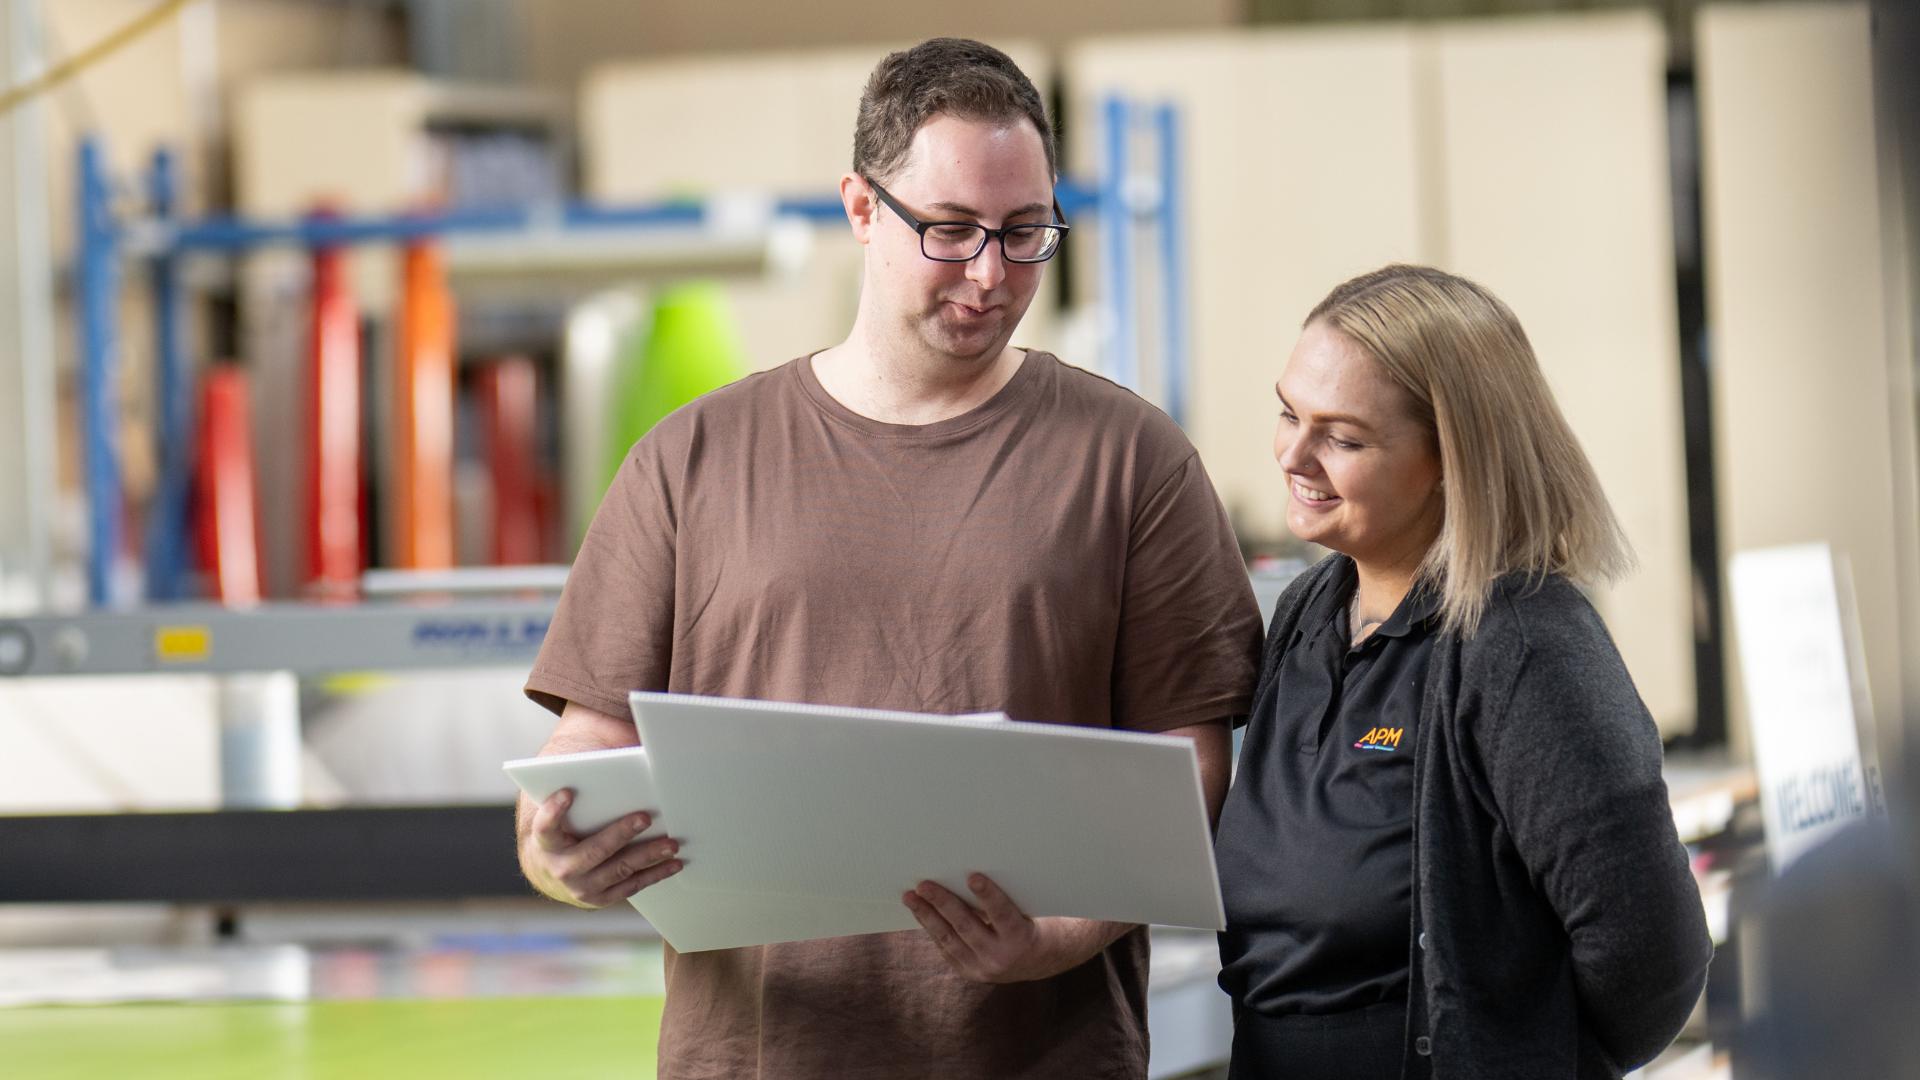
(509, 404)
(422, 491)
(334, 499)
(228, 519)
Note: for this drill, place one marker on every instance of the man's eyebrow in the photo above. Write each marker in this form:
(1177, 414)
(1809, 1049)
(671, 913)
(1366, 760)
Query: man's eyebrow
(968, 211)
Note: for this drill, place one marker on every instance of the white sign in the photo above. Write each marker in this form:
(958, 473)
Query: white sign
(1806, 695)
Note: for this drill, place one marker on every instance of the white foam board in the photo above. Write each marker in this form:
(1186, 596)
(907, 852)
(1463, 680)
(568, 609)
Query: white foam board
(800, 822)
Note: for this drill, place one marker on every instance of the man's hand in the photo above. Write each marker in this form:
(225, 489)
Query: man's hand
(602, 869)
(996, 942)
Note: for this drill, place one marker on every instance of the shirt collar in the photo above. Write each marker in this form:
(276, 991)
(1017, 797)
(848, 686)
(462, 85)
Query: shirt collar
(1324, 609)
(1417, 609)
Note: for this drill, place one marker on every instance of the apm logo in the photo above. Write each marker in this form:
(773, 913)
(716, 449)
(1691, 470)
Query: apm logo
(1381, 738)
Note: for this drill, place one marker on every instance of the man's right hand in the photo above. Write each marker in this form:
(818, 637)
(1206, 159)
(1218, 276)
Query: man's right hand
(601, 869)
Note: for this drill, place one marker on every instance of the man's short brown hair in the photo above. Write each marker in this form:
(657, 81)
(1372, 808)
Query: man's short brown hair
(941, 77)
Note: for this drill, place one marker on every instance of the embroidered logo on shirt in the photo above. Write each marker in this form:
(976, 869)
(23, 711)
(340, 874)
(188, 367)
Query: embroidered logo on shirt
(1381, 738)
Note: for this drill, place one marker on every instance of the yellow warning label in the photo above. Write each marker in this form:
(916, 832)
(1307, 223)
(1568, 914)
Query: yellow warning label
(183, 644)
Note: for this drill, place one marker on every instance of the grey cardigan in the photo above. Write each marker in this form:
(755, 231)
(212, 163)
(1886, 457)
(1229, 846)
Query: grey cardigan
(1557, 931)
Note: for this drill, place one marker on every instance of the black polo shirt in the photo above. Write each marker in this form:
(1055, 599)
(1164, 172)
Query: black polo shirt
(1315, 845)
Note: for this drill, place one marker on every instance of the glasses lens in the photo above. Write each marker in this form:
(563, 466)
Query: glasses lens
(959, 242)
(1032, 243)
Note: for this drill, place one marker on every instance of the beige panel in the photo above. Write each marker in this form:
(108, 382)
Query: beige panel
(772, 121)
(354, 138)
(776, 123)
(563, 39)
(1299, 159)
(691, 127)
(1553, 134)
(1804, 436)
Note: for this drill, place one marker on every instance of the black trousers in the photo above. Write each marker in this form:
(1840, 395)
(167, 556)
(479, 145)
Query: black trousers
(1362, 1044)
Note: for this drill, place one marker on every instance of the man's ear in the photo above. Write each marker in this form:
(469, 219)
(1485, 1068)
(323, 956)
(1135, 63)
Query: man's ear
(856, 195)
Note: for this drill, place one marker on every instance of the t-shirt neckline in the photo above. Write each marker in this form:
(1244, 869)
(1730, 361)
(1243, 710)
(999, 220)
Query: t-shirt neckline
(1016, 387)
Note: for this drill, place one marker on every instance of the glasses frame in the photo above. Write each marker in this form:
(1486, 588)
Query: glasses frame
(1058, 226)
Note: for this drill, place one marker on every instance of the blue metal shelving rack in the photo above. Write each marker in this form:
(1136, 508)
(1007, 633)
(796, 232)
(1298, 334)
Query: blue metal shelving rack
(1122, 198)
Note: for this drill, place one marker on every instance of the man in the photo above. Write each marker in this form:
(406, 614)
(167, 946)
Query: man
(920, 518)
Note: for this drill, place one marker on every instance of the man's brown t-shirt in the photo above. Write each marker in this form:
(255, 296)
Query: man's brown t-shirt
(1057, 553)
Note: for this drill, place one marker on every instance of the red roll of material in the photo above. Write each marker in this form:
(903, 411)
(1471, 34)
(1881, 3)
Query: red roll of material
(228, 520)
(422, 491)
(509, 404)
(334, 499)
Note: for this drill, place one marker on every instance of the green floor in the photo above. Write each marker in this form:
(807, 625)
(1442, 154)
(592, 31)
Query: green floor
(472, 1037)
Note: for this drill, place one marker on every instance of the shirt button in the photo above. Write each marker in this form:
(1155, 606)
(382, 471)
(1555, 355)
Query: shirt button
(1423, 1046)
(1423, 941)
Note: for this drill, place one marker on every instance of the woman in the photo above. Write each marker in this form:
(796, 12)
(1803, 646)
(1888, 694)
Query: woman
(1448, 849)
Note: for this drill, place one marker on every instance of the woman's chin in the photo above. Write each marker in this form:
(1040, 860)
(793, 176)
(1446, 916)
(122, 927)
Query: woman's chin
(1308, 526)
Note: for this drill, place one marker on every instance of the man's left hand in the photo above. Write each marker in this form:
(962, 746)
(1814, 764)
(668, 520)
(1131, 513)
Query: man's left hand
(996, 942)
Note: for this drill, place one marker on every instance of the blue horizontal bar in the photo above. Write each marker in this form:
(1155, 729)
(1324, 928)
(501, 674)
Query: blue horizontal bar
(236, 234)
(819, 209)
(231, 234)
(1075, 198)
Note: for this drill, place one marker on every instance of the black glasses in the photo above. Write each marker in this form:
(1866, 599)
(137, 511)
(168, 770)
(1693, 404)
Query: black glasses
(962, 241)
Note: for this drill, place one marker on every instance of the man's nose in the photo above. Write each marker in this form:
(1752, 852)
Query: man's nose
(989, 268)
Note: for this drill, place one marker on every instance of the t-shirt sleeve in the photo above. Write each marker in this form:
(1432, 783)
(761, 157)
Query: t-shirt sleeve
(613, 629)
(1189, 637)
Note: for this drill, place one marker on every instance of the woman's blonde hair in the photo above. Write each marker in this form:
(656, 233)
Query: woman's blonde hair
(1518, 491)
